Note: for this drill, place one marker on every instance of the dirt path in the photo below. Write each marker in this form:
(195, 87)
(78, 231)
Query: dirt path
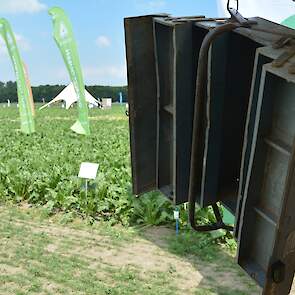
(44, 257)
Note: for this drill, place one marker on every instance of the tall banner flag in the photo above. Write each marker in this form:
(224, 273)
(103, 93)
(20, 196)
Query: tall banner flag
(30, 89)
(23, 90)
(64, 37)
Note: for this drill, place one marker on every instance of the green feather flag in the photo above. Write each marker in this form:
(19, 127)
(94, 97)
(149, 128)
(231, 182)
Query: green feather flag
(64, 37)
(23, 89)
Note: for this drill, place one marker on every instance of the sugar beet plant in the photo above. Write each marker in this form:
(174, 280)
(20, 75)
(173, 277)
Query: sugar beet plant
(42, 168)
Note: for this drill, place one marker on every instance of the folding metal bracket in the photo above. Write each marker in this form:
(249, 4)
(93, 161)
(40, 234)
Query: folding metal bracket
(278, 272)
(291, 69)
(284, 57)
(282, 42)
(237, 17)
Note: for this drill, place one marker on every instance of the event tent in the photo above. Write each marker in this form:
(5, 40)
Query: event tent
(69, 96)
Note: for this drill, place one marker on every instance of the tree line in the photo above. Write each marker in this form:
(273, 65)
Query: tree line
(8, 90)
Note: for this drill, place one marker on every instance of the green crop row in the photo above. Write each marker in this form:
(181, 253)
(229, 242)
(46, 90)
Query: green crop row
(42, 168)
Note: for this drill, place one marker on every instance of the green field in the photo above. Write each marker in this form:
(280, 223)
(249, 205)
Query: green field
(54, 240)
(42, 168)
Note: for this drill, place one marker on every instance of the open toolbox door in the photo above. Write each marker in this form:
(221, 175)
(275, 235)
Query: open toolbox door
(142, 99)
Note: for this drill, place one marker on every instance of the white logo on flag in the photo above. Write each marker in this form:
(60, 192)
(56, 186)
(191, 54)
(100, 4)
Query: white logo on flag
(63, 31)
(9, 39)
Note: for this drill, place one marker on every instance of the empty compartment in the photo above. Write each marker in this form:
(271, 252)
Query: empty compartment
(165, 55)
(162, 55)
(260, 60)
(186, 59)
(263, 231)
(231, 70)
(177, 48)
(162, 63)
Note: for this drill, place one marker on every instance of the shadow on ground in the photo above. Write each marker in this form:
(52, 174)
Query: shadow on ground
(214, 268)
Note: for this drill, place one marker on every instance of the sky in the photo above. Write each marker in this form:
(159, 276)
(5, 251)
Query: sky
(99, 32)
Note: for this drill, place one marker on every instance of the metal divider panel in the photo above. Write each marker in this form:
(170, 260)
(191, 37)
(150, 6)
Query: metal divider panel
(165, 56)
(216, 89)
(185, 60)
(267, 238)
(268, 33)
(200, 30)
(232, 63)
(142, 98)
(260, 60)
(178, 48)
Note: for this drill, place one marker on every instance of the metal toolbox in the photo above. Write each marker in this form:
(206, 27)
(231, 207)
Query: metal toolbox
(245, 156)
(162, 56)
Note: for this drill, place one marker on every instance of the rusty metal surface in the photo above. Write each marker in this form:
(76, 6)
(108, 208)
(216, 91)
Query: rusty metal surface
(260, 60)
(226, 116)
(264, 55)
(176, 55)
(142, 92)
(166, 161)
(161, 93)
(223, 153)
(198, 140)
(267, 221)
(266, 32)
(243, 151)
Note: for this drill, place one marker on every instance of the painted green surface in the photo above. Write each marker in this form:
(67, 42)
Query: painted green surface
(64, 37)
(23, 90)
(289, 22)
(228, 218)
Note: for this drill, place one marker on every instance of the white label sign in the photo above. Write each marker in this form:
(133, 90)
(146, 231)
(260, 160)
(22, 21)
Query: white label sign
(88, 170)
(176, 214)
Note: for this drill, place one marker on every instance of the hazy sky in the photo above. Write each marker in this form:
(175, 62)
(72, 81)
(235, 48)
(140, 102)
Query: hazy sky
(274, 10)
(98, 28)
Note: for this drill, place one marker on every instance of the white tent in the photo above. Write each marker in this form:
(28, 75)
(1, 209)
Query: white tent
(69, 96)
(106, 102)
(274, 10)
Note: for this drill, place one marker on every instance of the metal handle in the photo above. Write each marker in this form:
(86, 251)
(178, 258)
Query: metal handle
(228, 5)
